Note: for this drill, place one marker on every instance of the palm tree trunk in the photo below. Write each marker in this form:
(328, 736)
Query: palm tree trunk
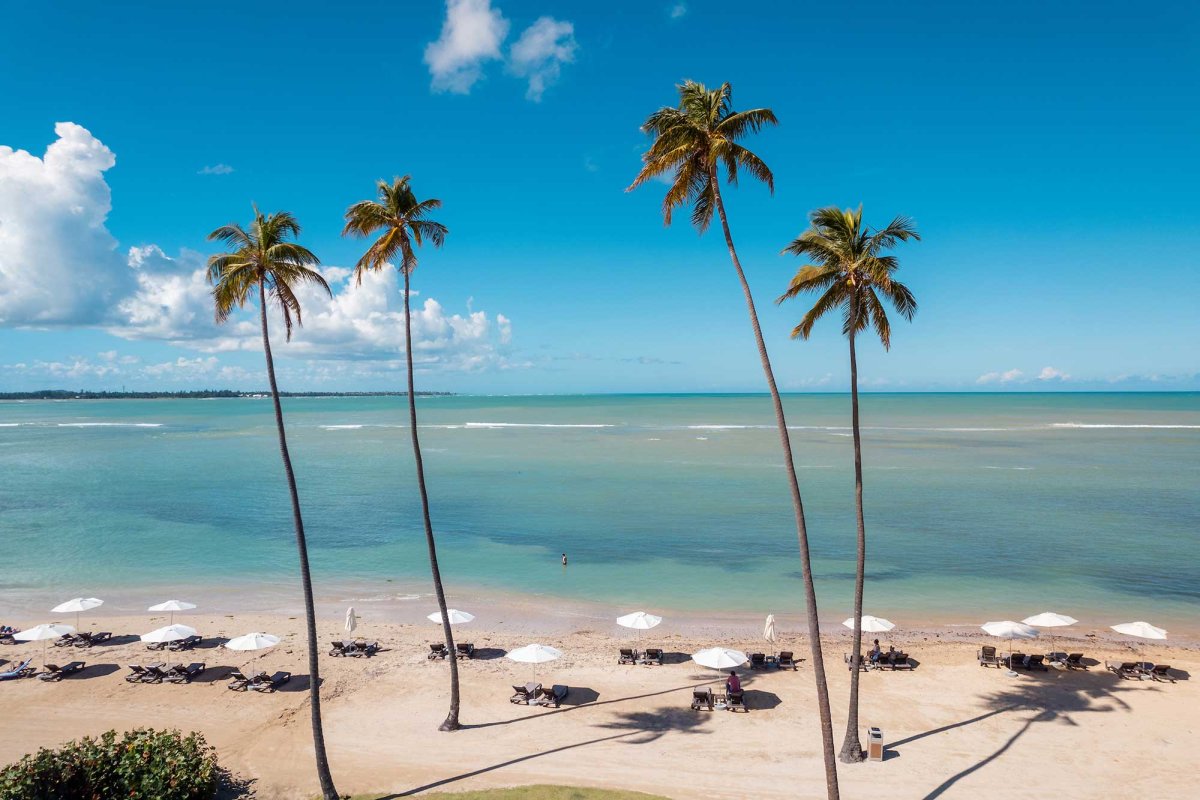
(451, 721)
(851, 746)
(328, 792)
(810, 593)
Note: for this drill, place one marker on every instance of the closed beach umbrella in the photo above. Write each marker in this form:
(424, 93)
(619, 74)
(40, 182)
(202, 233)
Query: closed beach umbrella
(639, 621)
(43, 633)
(1007, 629)
(1142, 630)
(534, 654)
(173, 606)
(253, 641)
(769, 628)
(169, 633)
(351, 620)
(871, 624)
(453, 616)
(77, 605)
(1049, 619)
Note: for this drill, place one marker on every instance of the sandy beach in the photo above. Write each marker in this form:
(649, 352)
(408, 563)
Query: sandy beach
(953, 728)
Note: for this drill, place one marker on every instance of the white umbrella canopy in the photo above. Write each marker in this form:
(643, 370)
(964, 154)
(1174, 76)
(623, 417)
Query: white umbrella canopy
(639, 621)
(168, 633)
(720, 658)
(769, 628)
(1142, 630)
(77, 605)
(871, 624)
(1049, 619)
(1007, 629)
(534, 654)
(252, 641)
(453, 615)
(43, 633)
(351, 620)
(173, 606)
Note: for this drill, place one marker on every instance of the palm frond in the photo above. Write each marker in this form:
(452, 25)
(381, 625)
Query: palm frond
(833, 298)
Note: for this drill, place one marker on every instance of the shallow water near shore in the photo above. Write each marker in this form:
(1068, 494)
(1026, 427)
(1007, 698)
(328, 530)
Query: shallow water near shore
(987, 505)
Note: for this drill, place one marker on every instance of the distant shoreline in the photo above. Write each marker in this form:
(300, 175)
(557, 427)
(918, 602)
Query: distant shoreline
(202, 394)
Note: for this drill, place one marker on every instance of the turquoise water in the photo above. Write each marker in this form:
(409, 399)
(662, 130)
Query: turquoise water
(977, 505)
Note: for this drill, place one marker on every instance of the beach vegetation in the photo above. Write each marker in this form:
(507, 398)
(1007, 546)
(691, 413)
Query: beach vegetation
(141, 764)
(265, 260)
(403, 224)
(854, 275)
(695, 142)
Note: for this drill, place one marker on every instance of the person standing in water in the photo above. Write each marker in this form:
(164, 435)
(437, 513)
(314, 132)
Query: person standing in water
(564, 559)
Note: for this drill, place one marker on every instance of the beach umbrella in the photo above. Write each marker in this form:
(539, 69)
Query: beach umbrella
(453, 615)
(253, 641)
(172, 606)
(534, 654)
(1049, 619)
(720, 658)
(871, 624)
(77, 605)
(43, 633)
(1142, 630)
(169, 633)
(351, 620)
(1007, 629)
(639, 621)
(769, 629)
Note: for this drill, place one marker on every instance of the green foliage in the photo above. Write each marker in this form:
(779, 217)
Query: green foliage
(402, 218)
(143, 764)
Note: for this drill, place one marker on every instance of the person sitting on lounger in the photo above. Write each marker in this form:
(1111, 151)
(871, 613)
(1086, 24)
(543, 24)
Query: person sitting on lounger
(876, 653)
(732, 684)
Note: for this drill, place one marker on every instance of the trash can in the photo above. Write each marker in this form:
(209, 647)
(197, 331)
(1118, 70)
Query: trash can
(874, 744)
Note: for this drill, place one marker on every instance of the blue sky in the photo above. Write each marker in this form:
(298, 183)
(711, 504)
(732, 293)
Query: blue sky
(1048, 153)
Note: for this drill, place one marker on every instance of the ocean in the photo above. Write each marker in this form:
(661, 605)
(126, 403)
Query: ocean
(977, 505)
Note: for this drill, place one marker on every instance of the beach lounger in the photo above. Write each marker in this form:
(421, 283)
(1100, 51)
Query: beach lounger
(736, 701)
(653, 656)
(69, 639)
(553, 696)
(628, 656)
(363, 648)
(702, 698)
(265, 683)
(851, 663)
(786, 659)
(1161, 672)
(89, 639)
(758, 661)
(338, 648)
(185, 644)
(155, 673)
(987, 657)
(465, 649)
(136, 673)
(1075, 661)
(437, 650)
(181, 674)
(54, 673)
(525, 694)
(1037, 662)
(238, 682)
(1127, 670)
(24, 671)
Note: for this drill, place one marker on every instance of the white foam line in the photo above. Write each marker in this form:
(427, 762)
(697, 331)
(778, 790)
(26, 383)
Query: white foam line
(110, 424)
(1136, 426)
(9, 424)
(531, 425)
(341, 427)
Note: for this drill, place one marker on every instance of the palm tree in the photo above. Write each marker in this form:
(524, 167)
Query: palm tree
(692, 142)
(852, 272)
(263, 258)
(404, 222)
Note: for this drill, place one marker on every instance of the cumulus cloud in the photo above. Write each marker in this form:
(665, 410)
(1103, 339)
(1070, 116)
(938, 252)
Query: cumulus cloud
(472, 34)
(1000, 377)
(58, 263)
(540, 52)
(216, 169)
(1052, 374)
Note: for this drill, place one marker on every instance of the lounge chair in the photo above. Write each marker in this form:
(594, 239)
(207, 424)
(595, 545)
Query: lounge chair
(136, 673)
(893, 660)
(987, 657)
(1014, 660)
(265, 683)
(702, 698)
(239, 682)
(437, 650)
(1161, 672)
(628, 656)
(735, 701)
(465, 649)
(359, 648)
(54, 673)
(525, 694)
(181, 674)
(1075, 661)
(89, 639)
(758, 661)
(185, 644)
(155, 674)
(69, 639)
(553, 696)
(653, 656)
(338, 648)
(24, 671)
(786, 659)
(1128, 670)
(851, 662)
(1037, 661)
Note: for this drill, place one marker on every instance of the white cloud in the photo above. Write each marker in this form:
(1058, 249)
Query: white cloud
(172, 301)
(1052, 374)
(540, 52)
(58, 262)
(216, 169)
(678, 10)
(472, 34)
(1000, 377)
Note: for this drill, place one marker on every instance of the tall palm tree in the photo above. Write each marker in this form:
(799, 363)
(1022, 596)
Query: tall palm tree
(692, 142)
(263, 258)
(852, 272)
(404, 222)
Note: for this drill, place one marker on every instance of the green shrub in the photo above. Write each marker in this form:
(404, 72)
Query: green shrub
(143, 764)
